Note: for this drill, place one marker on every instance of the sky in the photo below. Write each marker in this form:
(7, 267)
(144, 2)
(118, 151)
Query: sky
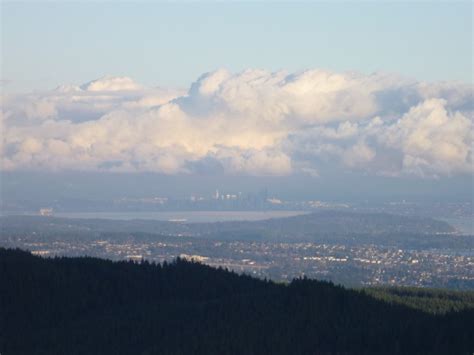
(46, 44)
(329, 94)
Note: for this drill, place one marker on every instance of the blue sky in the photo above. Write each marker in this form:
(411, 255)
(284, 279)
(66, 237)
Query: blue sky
(171, 45)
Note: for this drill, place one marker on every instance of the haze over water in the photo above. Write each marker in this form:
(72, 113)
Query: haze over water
(186, 216)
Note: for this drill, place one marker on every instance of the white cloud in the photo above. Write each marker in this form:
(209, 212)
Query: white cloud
(254, 122)
(359, 154)
(110, 83)
(433, 140)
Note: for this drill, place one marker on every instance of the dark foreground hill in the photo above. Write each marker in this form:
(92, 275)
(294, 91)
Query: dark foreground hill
(93, 306)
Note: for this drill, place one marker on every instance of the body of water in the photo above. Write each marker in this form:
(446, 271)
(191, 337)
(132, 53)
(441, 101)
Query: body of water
(464, 225)
(186, 216)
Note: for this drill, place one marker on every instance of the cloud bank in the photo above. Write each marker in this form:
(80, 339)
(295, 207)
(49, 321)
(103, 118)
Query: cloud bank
(254, 122)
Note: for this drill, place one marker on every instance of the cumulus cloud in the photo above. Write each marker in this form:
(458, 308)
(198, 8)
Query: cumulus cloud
(110, 83)
(254, 122)
(433, 140)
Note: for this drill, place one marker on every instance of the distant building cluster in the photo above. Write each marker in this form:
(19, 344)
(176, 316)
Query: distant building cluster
(350, 265)
(45, 212)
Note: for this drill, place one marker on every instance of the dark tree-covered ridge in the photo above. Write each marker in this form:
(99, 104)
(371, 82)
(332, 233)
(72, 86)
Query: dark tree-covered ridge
(93, 306)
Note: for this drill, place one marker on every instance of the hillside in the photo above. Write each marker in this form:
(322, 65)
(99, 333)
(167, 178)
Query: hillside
(322, 226)
(431, 300)
(94, 306)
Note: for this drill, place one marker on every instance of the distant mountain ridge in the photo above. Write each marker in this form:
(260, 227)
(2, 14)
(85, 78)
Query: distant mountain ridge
(94, 306)
(302, 227)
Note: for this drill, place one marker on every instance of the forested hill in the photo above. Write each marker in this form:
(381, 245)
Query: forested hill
(322, 227)
(94, 306)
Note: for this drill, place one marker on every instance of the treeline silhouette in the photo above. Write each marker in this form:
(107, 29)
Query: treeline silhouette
(94, 306)
(432, 300)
